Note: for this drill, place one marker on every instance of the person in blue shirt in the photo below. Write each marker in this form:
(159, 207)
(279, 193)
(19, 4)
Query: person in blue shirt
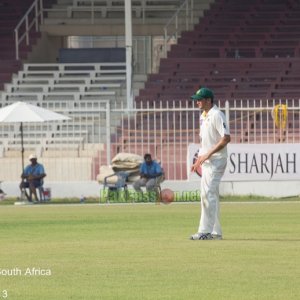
(32, 178)
(150, 172)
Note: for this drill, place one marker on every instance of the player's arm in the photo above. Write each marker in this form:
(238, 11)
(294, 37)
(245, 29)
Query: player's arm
(219, 146)
(223, 130)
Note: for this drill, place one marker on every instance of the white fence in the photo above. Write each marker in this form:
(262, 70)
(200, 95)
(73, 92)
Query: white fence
(166, 131)
(75, 149)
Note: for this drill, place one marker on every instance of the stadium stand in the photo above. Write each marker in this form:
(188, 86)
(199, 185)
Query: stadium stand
(235, 43)
(242, 50)
(11, 11)
(72, 84)
(38, 82)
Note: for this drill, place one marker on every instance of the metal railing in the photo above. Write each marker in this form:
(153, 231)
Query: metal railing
(32, 18)
(167, 130)
(183, 19)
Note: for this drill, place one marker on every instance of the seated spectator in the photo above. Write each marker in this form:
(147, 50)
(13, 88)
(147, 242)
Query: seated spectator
(32, 178)
(150, 173)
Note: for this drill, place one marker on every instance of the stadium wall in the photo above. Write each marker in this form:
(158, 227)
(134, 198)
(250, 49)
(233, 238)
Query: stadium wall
(92, 188)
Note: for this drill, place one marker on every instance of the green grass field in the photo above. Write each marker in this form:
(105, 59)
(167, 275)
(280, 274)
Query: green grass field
(142, 251)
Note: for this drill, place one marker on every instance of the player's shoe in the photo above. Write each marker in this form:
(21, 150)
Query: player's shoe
(217, 236)
(201, 236)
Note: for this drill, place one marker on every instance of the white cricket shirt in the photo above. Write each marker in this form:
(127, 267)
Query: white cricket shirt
(213, 127)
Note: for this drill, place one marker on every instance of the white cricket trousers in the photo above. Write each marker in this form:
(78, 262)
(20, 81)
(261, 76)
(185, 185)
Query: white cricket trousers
(212, 172)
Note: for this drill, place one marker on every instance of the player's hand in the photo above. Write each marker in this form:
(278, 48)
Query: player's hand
(201, 159)
(196, 165)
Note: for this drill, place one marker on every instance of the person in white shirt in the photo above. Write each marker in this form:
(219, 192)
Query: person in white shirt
(214, 135)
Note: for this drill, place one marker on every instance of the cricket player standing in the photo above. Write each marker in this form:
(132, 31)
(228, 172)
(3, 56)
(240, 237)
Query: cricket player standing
(214, 135)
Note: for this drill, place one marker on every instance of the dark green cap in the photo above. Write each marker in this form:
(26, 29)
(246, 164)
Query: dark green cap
(203, 93)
